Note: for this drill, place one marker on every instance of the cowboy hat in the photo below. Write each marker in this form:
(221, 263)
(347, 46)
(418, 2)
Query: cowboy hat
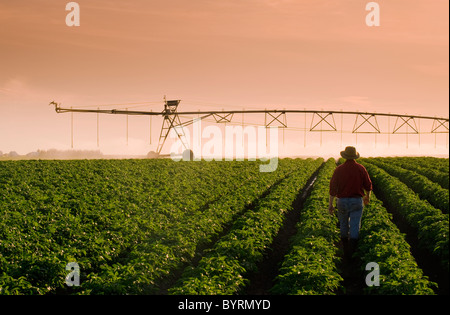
(350, 153)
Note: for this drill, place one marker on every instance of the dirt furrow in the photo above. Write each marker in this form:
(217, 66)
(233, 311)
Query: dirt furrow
(261, 282)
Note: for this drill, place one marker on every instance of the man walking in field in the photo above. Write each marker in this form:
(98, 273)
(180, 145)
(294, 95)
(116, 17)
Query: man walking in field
(351, 185)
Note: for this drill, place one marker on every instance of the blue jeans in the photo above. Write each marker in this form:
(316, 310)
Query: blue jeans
(349, 214)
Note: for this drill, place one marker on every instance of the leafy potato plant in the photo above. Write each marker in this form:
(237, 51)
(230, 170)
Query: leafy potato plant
(382, 242)
(431, 224)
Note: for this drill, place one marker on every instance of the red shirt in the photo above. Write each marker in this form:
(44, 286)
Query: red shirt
(350, 180)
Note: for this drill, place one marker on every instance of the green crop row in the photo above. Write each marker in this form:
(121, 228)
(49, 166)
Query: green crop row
(437, 196)
(427, 162)
(127, 223)
(310, 266)
(150, 263)
(222, 270)
(432, 225)
(435, 169)
(381, 242)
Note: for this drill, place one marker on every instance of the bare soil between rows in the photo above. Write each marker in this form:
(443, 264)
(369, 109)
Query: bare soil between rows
(263, 280)
(429, 263)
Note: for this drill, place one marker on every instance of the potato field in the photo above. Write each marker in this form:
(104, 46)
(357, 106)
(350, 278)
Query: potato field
(156, 226)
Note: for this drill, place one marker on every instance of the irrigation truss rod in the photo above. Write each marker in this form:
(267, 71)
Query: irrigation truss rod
(252, 111)
(172, 119)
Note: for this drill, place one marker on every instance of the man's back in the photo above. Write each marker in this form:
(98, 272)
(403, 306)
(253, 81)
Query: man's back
(350, 179)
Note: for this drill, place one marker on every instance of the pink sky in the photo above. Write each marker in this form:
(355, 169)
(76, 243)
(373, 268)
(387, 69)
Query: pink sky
(215, 54)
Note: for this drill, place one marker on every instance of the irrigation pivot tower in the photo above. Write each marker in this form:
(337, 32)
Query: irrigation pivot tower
(322, 120)
(171, 121)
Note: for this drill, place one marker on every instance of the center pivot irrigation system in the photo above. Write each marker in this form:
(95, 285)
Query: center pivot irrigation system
(322, 120)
